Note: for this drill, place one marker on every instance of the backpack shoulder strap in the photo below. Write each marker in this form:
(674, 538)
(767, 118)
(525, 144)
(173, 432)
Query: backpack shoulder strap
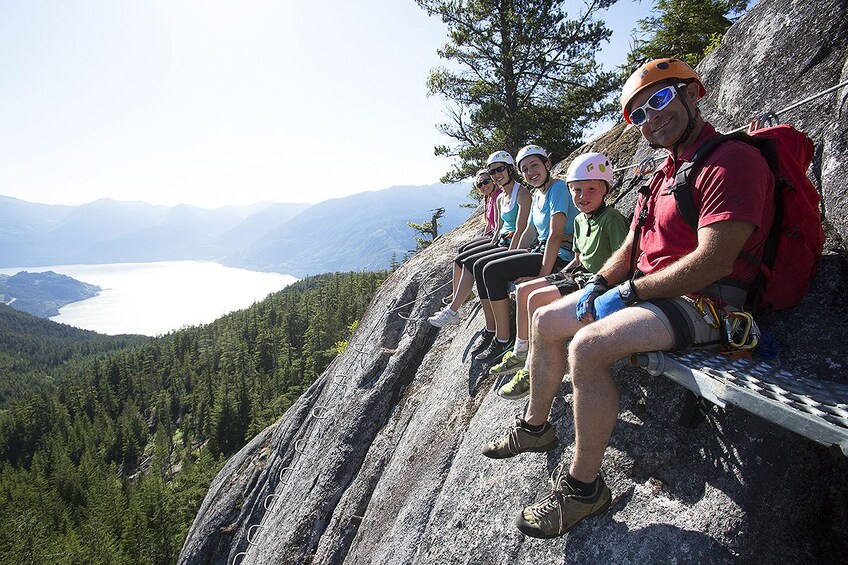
(684, 179)
(641, 215)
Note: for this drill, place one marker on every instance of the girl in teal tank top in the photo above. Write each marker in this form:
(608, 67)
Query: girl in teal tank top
(513, 207)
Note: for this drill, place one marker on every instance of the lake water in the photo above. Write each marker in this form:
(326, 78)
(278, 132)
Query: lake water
(155, 298)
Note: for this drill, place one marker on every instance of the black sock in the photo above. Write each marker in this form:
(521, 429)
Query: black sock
(502, 342)
(580, 488)
(536, 430)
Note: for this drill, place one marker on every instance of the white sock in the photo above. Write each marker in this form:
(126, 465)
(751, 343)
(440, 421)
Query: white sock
(454, 312)
(522, 346)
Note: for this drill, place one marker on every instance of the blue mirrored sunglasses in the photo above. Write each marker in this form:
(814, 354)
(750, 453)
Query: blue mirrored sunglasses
(658, 100)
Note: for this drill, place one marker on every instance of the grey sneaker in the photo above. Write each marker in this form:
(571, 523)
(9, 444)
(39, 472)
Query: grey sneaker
(519, 439)
(494, 353)
(561, 510)
(444, 317)
(486, 338)
(509, 364)
(517, 387)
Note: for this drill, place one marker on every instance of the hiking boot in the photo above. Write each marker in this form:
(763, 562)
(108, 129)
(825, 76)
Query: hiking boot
(562, 509)
(494, 352)
(519, 439)
(509, 364)
(517, 387)
(444, 317)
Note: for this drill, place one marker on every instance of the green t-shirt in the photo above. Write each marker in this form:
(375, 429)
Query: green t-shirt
(597, 236)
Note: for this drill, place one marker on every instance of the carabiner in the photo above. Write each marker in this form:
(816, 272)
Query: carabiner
(707, 309)
(740, 330)
(645, 167)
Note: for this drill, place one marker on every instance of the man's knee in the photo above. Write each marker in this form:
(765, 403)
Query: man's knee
(590, 345)
(552, 322)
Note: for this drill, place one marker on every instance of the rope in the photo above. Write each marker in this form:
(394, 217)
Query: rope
(742, 128)
(425, 295)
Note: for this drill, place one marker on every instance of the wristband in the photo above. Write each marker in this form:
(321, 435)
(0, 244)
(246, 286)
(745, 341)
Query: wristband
(598, 279)
(627, 292)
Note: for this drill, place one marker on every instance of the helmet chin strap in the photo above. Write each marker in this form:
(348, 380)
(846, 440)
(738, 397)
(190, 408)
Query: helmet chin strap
(547, 178)
(508, 183)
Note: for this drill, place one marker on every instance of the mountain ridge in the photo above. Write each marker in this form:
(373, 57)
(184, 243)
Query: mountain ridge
(254, 237)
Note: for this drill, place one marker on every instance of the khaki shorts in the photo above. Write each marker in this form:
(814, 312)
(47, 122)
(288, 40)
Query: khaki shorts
(686, 324)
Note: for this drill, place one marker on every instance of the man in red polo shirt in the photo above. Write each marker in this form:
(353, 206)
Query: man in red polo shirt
(621, 312)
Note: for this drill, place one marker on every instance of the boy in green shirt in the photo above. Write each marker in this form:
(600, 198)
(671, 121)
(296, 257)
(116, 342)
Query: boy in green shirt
(598, 231)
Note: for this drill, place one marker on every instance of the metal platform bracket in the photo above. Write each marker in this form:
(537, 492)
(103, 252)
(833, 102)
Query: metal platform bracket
(817, 410)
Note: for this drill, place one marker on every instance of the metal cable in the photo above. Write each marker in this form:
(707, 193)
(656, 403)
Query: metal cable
(742, 128)
(321, 412)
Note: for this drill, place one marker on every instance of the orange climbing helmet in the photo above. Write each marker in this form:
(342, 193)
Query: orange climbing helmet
(656, 71)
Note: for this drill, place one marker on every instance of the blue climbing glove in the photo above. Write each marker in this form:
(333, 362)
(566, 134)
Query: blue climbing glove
(595, 287)
(615, 299)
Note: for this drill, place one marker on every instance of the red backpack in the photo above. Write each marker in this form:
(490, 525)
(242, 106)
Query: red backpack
(794, 245)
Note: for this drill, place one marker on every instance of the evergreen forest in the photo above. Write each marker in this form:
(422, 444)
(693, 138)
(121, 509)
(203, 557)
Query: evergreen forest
(108, 444)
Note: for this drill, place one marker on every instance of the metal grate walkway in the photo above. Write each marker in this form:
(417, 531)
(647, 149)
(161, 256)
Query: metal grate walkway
(814, 409)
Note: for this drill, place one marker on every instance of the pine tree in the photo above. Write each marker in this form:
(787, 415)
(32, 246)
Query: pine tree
(521, 71)
(428, 228)
(686, 29)
(90, 459)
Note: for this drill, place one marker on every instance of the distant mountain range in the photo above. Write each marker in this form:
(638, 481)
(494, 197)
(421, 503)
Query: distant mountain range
(363, 231)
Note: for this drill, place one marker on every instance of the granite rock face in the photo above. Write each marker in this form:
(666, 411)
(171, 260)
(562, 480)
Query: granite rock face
(379, 462)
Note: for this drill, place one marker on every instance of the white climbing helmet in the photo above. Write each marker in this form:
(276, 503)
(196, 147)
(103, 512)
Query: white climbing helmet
(500, 157)
(531, 150)
(590, 166)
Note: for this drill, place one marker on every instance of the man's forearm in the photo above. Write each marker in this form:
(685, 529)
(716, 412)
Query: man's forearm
(718, 247)
(686, 275)
(617, 268)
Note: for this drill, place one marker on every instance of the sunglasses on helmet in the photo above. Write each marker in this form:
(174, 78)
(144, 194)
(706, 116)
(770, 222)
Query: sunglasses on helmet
(658, 101)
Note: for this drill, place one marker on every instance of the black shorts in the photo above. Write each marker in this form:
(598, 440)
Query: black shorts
(567, 283)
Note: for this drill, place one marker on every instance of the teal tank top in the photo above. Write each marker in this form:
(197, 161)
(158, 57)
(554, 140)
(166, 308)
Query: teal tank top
(510, 217)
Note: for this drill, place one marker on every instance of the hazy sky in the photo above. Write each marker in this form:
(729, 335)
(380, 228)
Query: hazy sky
(213, 102)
